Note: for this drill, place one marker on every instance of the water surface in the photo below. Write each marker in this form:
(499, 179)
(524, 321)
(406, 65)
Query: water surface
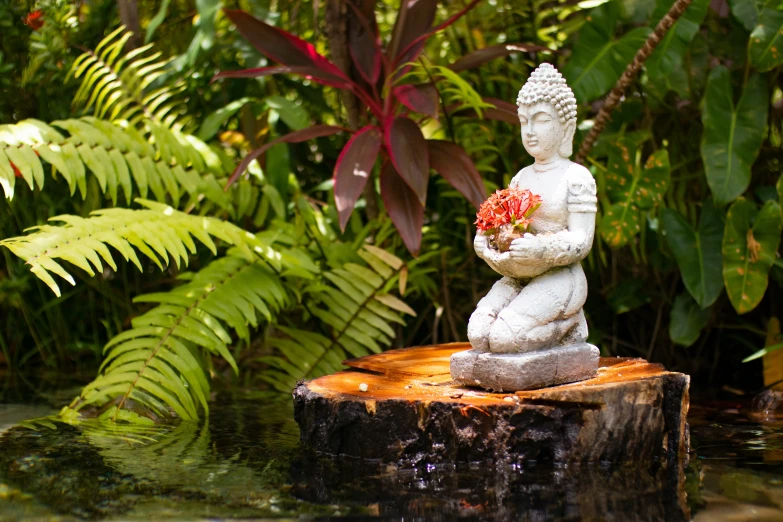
(245, 462)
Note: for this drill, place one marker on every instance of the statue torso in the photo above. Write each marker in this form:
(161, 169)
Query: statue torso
(552, 186)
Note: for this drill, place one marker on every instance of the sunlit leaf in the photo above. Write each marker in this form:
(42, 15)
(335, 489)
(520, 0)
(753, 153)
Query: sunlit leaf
(750, 244)
(765, 47)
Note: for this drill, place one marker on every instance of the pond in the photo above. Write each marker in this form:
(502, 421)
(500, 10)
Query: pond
(245, 463)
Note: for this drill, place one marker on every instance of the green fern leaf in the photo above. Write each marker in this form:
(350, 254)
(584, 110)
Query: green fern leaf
(354, 312)
(159, 232)
(159, 363)
(115, 85)
(118, 157)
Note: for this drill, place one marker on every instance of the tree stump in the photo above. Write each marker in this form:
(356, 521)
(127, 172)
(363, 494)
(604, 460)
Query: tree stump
(413, 412)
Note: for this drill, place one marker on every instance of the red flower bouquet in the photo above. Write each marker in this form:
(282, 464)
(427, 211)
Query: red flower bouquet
(33, 20)
(505, 216)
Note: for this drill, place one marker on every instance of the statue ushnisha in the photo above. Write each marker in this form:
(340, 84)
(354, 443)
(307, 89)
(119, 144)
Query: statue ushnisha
(529, 331)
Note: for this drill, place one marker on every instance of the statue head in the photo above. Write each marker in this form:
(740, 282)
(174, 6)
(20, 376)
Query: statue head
(547, 112)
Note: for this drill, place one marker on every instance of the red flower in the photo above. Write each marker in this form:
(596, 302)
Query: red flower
(33, 20)
(511, 205)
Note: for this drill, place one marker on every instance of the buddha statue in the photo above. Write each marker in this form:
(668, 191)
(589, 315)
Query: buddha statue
(529, 331)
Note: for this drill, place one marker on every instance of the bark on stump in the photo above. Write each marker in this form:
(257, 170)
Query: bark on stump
(412, 412)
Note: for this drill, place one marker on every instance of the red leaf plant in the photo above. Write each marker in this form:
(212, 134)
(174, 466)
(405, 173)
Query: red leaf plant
(511, 206)
(406, 156)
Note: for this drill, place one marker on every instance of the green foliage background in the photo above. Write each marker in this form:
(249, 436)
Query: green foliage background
(685, 269)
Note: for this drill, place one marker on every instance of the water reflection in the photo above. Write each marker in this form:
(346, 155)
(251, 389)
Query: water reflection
(500, 492)
(245, 462)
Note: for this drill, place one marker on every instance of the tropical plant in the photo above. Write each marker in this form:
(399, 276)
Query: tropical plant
(715, 211)
(158, 368)
(383, 86)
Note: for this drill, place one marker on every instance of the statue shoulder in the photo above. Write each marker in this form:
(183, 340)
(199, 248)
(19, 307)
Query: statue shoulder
(581, 190)
(518, 179)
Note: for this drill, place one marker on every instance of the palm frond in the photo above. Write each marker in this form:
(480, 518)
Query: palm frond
(159, 232)
(116, 85)
(119, 158)
(159, 363)
(355, 309)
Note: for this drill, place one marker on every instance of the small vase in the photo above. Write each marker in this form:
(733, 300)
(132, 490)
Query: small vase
(504, 236)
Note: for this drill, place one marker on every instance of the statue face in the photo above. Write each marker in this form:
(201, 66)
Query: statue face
(542, 132)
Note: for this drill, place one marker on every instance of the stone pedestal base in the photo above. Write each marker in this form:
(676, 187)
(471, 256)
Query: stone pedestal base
(525, 371)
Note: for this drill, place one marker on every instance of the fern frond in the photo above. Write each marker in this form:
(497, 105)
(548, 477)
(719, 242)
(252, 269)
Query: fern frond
(119, 157)
(116, 85)
(159, 232)
(356, 310)
(159, 362)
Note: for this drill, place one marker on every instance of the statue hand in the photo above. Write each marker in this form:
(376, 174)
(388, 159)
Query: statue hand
(480, 244)
(528, 246)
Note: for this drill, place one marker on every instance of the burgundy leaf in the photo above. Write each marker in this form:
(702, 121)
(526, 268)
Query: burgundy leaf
(316, 131)
(487, 54)
(422, 98)
(353, 169)
(311, 73)
(403, 207)
(410, 51)
(364, 43)
(409, 153)
(451, 162)
(503, 111)
(414, 19)
(284, 47)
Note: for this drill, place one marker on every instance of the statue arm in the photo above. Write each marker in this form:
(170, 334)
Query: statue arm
(573, 244)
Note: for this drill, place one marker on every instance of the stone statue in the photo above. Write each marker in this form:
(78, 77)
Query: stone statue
(529, 331)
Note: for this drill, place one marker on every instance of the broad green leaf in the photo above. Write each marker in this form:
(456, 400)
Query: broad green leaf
(667, 56)
(687, 320)
(294, 115)
(747, 11)
(628, 182)
(212, 123)
(750, 245)
(698, 252)
(620, 224)
(764, 48)
(732, 134)
(600, 58)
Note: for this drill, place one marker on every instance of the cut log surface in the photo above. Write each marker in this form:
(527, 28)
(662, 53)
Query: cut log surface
(402, 406)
